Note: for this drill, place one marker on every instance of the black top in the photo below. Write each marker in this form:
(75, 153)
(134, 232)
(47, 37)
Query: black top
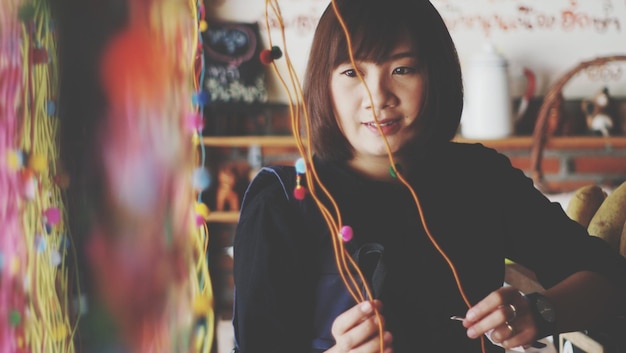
(478, 207)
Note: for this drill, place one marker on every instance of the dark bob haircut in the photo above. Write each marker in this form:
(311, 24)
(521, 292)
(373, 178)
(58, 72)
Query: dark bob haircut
(376, 27)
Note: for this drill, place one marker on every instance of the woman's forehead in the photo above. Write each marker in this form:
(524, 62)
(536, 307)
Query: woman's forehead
(381, 50)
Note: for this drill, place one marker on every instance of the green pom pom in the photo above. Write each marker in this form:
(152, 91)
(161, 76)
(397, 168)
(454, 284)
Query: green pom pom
(26, 12)
(393, 172)
(15, 318)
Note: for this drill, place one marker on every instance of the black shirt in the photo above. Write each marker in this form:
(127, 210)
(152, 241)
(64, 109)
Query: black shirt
(479, 209)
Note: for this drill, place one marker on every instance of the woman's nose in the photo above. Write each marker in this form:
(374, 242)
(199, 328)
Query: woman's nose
(380, 94)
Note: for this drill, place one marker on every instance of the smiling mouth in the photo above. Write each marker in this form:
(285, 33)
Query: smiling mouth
(381, 124)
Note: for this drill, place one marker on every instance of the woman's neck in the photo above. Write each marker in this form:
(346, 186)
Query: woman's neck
(375, 168)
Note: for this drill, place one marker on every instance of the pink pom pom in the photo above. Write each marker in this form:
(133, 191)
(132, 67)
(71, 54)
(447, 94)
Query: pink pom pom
(199, 220)
(346, 233)
(52, 215)
(195, 121)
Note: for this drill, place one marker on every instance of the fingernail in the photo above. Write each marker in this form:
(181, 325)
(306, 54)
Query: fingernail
(470, 315)
(471, 333)
(366, 307)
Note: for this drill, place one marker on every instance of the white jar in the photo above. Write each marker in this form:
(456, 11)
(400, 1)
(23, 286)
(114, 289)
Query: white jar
(487, 111)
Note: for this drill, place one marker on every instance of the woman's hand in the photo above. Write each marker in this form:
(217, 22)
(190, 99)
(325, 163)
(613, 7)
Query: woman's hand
(505, 315)
(357, 330)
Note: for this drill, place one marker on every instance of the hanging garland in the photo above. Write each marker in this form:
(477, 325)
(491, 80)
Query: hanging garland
(34, 246)
(148, 244)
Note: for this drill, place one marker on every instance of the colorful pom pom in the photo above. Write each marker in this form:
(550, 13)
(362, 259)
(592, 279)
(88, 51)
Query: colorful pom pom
(202, 209)
(40, 243)
(299, 192)
(276, 53)
(52, 215)
(15, 318)
(55, 258)
(393, 172)
(15, 160)
(346, 233)
(51, 108)
(59, 333)
(202, 213)
(201, 179)
(300, 166)
(38, 162)
(202, 305)
(194, 121)
(268, 55)
(265, 56)
(201, 98)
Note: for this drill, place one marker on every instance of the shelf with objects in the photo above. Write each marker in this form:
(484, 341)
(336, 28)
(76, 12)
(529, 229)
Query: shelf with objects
(239, 141)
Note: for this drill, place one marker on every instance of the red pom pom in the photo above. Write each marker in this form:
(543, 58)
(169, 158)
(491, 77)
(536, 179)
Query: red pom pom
(266, 56)
(299, 192)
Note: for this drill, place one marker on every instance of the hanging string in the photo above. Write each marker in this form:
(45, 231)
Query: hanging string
(33, 249)
(345, 263)
(150, 76)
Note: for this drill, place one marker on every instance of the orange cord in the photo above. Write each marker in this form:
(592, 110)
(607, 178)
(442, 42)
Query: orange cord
(334, 225)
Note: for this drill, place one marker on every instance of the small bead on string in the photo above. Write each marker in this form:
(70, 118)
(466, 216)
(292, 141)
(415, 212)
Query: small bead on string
(268, 55)
(300, 191)
(346, 233)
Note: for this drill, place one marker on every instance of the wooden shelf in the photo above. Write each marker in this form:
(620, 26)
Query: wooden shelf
(223, 217)
(557, 142)
(515, 142)
(246, 141)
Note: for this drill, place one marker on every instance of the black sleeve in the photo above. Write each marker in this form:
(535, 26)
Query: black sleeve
(272, 312)
(543, 238)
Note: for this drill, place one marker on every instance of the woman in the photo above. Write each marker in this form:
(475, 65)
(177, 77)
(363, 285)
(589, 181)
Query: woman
(478, 209)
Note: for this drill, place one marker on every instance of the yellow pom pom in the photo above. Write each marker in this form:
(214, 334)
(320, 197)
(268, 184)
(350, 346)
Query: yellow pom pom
(59, 333)
(202, 210)
(39, 163)
(202, 305)
(195, 139)
(203, 26)
(13, 160)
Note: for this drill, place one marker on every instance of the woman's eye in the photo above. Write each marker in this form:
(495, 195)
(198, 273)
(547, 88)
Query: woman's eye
(350, 73)
(404, 70)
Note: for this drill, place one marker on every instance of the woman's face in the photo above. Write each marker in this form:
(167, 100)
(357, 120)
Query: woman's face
(396, 86)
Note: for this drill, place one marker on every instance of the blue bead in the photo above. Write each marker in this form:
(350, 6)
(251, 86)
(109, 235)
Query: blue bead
(51, 108)
(201, 98)
(201, 179)
(300, 166)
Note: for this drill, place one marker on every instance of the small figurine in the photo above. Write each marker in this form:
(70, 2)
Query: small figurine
(598, 114)
(226, 196)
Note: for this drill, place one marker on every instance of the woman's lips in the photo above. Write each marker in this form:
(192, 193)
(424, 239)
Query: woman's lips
(388, 126)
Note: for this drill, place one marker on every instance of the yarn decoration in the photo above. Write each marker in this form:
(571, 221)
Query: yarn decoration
(34, 247)
(147, 248)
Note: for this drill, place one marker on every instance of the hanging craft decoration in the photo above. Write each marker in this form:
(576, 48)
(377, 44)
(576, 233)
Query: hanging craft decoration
(35, 246)
(148, 243)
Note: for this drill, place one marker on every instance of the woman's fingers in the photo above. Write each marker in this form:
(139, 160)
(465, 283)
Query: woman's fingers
(353, 317)
(504, 316)
(358, 329)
